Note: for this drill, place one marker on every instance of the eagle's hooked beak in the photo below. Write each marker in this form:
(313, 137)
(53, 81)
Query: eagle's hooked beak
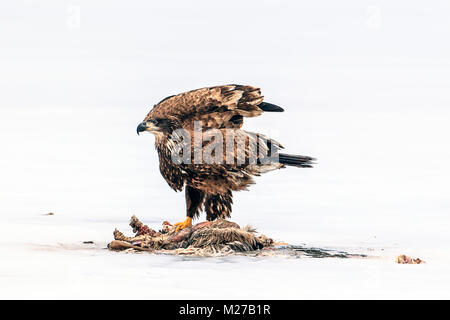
(141, 127)
(150, 125)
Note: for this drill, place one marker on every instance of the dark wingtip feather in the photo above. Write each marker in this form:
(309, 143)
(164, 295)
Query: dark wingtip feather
(269, 107)
(297, 161)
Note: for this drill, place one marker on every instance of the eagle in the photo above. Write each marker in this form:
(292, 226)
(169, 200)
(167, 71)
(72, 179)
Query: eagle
(202, 147)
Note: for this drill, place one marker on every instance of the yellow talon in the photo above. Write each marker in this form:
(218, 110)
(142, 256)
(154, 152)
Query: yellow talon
(181, 225)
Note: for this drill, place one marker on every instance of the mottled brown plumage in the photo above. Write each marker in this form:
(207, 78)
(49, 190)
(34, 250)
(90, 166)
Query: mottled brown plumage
(221, 111)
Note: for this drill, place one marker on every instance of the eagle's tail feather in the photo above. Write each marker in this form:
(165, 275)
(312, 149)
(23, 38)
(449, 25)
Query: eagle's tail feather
(269, 107)
(296, 161)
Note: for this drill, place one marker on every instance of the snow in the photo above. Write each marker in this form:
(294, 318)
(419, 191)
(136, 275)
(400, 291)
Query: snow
(365, 88)
(51, 262)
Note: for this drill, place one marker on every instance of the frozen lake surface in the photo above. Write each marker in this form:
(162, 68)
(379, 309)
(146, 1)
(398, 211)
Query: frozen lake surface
(371, 192)
(44, 257)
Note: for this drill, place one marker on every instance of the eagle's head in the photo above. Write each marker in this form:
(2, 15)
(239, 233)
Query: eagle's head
(155, 126)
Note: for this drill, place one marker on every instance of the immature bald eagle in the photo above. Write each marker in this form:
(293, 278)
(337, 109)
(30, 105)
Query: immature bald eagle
(237, 154)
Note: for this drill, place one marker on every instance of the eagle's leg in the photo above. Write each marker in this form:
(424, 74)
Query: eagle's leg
(218, 206)
(194, 200)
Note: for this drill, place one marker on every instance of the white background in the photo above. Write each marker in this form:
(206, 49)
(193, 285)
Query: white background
(365, 86)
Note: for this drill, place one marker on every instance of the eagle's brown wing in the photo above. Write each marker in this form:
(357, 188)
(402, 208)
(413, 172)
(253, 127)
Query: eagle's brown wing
(217, 107)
